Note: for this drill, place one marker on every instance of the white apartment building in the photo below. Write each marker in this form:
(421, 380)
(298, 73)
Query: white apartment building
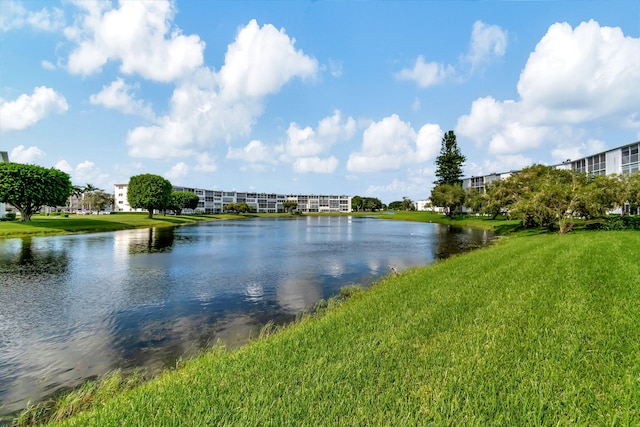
(4, 157)
(212, 201)
(620, 160)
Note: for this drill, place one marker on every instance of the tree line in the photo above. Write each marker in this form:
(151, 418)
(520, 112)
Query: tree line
(539, 196)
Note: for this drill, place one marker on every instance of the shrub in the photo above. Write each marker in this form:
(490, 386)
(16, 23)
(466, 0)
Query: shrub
(10, 216)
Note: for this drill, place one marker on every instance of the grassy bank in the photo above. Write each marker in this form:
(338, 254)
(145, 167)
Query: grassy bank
(50, 225)
(500, 226)
(541, 330)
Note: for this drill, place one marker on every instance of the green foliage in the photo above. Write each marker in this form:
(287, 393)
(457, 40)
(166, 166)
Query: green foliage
(544, 196)
(448, 196)
(30, 187)
(99, 200)
(183, 200)
(238, 208)
(361, 204)
(10, 216)
(449, 162)
(148, 191)
(290, 206)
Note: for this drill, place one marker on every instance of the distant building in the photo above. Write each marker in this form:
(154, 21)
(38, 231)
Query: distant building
(4, 157)
(213, 201)
(621, 160)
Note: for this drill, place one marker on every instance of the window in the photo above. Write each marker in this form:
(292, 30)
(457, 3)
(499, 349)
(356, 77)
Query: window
(579, 166)
(630, 159)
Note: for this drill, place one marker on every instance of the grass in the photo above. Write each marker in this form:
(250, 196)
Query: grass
(499, 225)
(50, 225)
(537, 330)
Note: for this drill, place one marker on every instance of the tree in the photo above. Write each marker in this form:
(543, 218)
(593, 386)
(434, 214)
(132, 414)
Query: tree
(99, 200)
(449, 162)
(448, 196)
(407, 204)
(356, 203)
(395, 205)
(30, 187)
(148, 191)
(290, 206)
(183, 200)
(87, 193)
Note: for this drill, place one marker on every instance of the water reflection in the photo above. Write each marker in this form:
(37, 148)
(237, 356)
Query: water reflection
(74, 307)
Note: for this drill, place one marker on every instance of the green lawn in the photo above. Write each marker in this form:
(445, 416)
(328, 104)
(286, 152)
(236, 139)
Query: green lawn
(536, 330)
(49, 225)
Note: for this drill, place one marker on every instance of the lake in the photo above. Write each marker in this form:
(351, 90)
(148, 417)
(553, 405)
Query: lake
(76, 306)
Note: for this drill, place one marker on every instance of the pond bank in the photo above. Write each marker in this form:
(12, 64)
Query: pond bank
(534, 330)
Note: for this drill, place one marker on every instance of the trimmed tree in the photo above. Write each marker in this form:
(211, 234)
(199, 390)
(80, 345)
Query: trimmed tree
(29, 187)
(183, 200)
(149, 192)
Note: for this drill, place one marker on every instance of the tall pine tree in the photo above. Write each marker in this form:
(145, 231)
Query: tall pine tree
(449, 162)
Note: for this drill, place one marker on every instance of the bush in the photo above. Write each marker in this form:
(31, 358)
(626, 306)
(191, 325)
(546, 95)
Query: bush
(10, 216)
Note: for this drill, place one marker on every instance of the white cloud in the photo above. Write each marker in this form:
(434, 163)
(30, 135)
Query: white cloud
(47, 65)
(391, 144)
(583, 74)
(27, 110)
(254, 152)
(64, 166)
(213, 107)
(426, 74)
(307, 142)
(13, 15)
(260, 61)
(179, 170)
(315, 165)
(138, 34)
(205, 163)
(118, 96)
(487, 42)
(86, 172)
(570, 152)
(22, 154)
(575, 77)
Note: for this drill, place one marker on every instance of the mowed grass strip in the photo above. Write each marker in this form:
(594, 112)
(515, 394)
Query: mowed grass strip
(42, 225)
(542, 330)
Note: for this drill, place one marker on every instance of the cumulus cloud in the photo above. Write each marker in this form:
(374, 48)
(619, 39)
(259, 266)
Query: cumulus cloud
(309, 142)
(13, 15)
(47, 65)
(22, 154)
(212, 107)
(315, 165)
(205, 163)
(27, 110)
(119, 96)
(391, 144)
(177, 171)
(138, 34)
(487, 43)
(86, 172)
(254, 152)
(426, 74)
(261, 61)
(574, 77)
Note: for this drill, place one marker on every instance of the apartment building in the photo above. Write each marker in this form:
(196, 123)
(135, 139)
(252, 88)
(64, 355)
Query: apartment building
(213, 201)
(620, 160)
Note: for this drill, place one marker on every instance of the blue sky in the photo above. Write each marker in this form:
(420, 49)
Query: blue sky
(340, 97)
